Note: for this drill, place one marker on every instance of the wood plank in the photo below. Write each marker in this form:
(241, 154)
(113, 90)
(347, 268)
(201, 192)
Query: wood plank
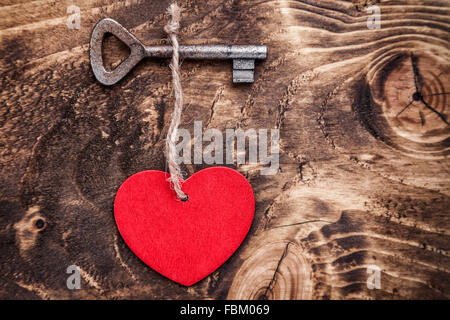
(359, 184)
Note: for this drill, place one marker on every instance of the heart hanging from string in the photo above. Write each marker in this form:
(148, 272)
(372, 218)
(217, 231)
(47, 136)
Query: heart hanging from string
(184, 230)
(185, 240)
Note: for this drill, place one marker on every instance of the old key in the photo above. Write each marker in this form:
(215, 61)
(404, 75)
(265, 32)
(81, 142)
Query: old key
(243, 56)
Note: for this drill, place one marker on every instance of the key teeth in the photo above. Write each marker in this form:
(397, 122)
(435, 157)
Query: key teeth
(243, 70)
(244, 64)
(243, 76)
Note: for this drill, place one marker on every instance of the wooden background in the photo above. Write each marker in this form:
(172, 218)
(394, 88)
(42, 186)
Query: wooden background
(357, 186)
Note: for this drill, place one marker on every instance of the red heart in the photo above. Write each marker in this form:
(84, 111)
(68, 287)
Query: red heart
(185, 241)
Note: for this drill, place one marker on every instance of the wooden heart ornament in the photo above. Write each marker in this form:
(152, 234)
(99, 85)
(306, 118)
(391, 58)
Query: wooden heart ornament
(185, 241)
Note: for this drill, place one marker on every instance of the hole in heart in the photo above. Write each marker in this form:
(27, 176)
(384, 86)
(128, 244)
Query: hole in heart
(114, 51)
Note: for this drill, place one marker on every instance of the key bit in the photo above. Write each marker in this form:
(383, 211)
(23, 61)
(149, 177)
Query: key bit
(243, 56)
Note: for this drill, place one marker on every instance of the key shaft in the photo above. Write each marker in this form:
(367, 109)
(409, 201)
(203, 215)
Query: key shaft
(212, 51)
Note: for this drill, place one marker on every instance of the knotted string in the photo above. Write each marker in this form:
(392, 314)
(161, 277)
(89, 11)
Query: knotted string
(171, 29)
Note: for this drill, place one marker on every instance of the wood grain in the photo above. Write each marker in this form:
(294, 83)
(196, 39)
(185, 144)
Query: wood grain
(359, 184)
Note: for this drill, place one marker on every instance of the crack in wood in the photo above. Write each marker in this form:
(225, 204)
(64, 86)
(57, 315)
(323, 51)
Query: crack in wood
(269, 288)
(300, 223)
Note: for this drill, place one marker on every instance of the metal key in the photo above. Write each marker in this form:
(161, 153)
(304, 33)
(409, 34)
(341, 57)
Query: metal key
(243, 56)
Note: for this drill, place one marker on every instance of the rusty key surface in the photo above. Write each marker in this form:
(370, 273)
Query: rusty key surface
(243, 56)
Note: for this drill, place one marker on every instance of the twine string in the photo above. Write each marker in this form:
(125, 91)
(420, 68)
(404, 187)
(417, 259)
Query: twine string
(171, 29)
